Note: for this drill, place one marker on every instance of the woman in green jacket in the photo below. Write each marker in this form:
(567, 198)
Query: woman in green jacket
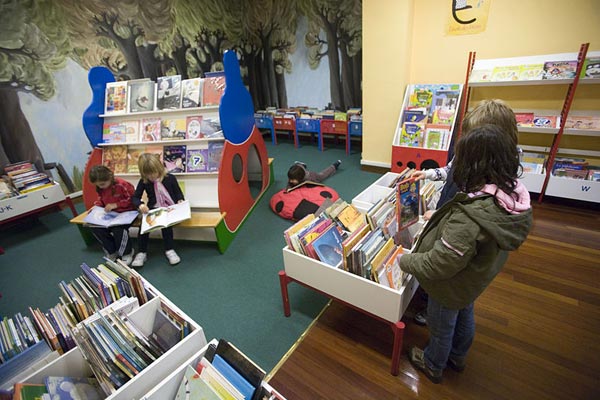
(466, 243)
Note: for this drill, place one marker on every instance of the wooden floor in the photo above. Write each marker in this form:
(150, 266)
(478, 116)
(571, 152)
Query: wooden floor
(537, 333)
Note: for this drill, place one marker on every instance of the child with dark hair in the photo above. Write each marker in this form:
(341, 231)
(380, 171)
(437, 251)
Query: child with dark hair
(114, 194)
(465, 244)
(299, 173)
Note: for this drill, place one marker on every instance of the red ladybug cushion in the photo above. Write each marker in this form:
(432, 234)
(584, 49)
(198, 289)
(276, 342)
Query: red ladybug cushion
(301, 201)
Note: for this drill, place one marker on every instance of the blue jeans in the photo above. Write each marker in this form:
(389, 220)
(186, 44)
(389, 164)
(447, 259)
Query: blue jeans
(451, 334)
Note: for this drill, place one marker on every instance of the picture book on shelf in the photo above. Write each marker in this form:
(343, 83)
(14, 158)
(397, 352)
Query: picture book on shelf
(480, 75)
(591, 68)
(132, 131)
(197, 159)
(100, 218)
(212, 90)
(407, 203)
(506, 73)
(546, 121)
(150, 131)
(524, 118)
(113, 132)
(156, 149)
(174, 158)
(115, 158)
(437, 136)
(141, 95)
(191, 92)
(420, 97)
(116, 98)
(560, 69)
(210, 128)
(444, 104)
(415, 115)
(168, 92)
(412, 134)
(163, 217)
(172, 128)
(583, 122)
(215, 152)
(194, 127)
(133, 155)
(529, 72)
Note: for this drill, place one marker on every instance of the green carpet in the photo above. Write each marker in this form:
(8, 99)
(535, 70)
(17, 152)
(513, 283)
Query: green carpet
(235, 295)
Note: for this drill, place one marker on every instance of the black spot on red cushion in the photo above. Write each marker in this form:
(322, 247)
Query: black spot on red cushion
(326, 195)
(279, 206)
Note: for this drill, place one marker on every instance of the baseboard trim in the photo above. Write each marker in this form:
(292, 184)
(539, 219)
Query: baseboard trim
(374, 166)
(375, 163)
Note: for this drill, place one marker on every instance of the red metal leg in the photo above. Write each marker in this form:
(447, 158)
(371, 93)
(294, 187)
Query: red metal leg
(398, 329)
(283, 282)
(71, 206)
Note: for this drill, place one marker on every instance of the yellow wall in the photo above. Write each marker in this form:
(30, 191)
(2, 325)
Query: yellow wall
(416, 30)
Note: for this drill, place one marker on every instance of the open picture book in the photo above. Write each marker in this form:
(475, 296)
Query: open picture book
(97, 217)
(163, 217)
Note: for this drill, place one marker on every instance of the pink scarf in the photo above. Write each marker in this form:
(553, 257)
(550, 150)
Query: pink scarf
(163, 198)
(515, 203)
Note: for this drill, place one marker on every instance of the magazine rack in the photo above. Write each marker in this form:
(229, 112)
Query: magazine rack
(545, 183)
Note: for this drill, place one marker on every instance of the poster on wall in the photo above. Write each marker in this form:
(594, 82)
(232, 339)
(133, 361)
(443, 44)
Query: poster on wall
(467, 17)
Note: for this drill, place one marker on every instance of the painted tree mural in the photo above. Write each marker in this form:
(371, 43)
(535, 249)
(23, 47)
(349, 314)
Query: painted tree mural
(32, 47)
(152, 38)
(340, 21)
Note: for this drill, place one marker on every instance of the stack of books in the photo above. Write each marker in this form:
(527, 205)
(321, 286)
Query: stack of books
(25, 178)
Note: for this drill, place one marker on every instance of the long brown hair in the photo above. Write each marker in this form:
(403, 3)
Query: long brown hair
(486, 156)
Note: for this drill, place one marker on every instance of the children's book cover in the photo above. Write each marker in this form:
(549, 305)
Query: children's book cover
(546, 121)
(591, 68)
(583, 122)
(155, 149)
(133, 155)
(197, 160)
(174, 158)
(420, 97)
(215, 152)
(150, 131)
(506, 73)
(436, 136)
(529, 72)
(172, 128)
(407, 201)
(65, 388)
(524, 118)
(141, 96)
(480, 75)
(168, 92)
(444, 104)
(412, 134)
(113, 132)
(211, 128)
(560, 69)
(191, 92)
(415, 115)
(212, 91)
(116, 98)
(328, 246)
(194, 387)
(115, 158)
(194, 127)
(132, 131)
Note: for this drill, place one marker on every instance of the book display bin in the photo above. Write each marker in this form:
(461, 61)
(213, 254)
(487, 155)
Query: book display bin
(369, 297)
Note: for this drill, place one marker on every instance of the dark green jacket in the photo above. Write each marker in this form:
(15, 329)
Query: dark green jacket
(463, 247)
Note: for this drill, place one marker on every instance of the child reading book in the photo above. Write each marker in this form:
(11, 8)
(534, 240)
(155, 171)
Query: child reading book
(114, 194)
(162, 190)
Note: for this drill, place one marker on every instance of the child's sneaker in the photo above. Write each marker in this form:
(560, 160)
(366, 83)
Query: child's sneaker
(300, 163)
(337, 164)
(127, 258)
(139, 260)
(172, 257)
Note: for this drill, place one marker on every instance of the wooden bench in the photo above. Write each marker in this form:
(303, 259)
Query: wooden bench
(199, 220)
